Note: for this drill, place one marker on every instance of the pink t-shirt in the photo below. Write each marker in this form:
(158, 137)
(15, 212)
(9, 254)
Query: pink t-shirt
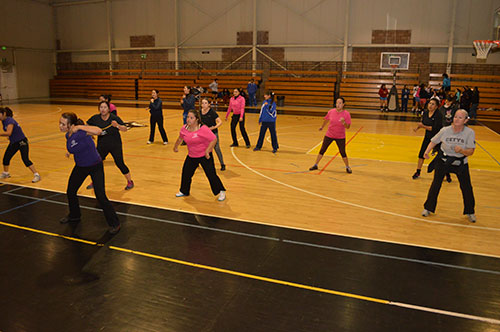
(197, 141)
(112, 108)
(336, 129)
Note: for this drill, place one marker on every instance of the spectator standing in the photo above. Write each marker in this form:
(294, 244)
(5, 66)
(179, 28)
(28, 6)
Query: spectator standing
(252, 91)
(405, 96)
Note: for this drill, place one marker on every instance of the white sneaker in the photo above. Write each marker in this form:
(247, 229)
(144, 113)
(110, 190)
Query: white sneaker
(36, 178)
(222, 196)
(165, 143)
(179, 194)
(425, 213)
(149, 142)
(5, 175)
(472, 217)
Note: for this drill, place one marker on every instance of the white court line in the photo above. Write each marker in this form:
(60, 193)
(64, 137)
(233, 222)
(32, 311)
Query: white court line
(314, 147)
(359, 205)
(446, 313)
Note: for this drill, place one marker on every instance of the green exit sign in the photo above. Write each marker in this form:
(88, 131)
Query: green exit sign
(144, 56)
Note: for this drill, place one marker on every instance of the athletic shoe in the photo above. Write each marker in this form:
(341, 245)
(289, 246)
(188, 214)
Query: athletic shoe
(348, 170)
(5, 175)
(180, 194)
(114, 229)
(90, 186)
(415, 176)
(165, 143)
(248, 146)
(130, 185)
(256, 149)
(425, 213)
(275, 150)
(149, 142)
(67, 219)
(36, 178)
(313, 167)
(222, 196)
(472, 217)
(233, 145)
(448, 178)
(222, 167)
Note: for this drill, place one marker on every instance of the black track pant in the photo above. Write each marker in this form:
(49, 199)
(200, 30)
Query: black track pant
(11, 150)
(153, 121)
(190, 166)
(78, 175)
(463, 176)
(115, 148)
(235, 119)
(272, 130)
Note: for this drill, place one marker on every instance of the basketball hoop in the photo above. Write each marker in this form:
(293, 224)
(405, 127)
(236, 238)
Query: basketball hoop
(483, 47)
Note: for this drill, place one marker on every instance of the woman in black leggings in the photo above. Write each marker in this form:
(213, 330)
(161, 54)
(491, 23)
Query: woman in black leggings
(18, 142)
(87, 162)
(109, 141)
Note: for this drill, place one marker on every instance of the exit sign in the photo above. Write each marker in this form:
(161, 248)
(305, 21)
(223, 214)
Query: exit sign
(144, 56)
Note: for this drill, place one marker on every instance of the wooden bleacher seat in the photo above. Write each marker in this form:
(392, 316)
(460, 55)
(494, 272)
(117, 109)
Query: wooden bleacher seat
(306, 88)
(360, 89)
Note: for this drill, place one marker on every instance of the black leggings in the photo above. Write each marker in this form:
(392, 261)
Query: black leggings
(190, 166)
(340, 144)
(11, 150)
(115, 148)
(78, 175)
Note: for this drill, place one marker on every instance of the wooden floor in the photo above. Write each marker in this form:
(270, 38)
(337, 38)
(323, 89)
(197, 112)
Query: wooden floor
(378, 201)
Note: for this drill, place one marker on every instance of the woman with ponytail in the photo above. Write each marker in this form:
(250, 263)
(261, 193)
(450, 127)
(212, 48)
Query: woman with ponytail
(18, 142)
(87, 162)
(267, 119)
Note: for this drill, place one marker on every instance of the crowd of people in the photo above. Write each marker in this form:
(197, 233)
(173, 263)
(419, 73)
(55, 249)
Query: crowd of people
(443, 119)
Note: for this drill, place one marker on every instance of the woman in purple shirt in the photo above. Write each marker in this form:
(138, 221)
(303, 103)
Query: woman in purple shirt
(18, 142)
(87, 162)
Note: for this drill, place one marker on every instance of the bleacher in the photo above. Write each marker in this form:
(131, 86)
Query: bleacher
(92, 83)
(360, 89)
(306, 88)
(488, 85)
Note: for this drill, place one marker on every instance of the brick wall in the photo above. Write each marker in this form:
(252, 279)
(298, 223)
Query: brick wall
(142, 41)
(391, 36)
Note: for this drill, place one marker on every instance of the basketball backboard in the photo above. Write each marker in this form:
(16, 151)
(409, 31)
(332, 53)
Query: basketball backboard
(394, 60)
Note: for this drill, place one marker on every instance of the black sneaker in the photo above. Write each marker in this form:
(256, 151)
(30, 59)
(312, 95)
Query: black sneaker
(223, 167)
(233, 145)
(256, 149)
(248, 146)
(115, 229)
(90, 186)
(415, 176)
(448, 178)
(348, 170)
(67, 219)
(313, 168)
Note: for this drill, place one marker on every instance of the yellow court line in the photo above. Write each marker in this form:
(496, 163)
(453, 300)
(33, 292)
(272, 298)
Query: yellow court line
(34, 230)
(252, 276)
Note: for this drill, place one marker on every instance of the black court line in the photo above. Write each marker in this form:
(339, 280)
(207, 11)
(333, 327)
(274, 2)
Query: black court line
(286, 254)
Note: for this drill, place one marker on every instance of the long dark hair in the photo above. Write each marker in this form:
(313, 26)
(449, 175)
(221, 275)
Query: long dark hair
(197, 115)
(7, 111)
(271, 94)
(103, 102)
(72, 119)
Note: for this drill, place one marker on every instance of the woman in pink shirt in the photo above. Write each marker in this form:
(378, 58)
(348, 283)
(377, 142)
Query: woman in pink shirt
(237, 105)
(340, 120)
(200, 141)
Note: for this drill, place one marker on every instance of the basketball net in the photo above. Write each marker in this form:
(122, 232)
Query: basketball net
(483, 47)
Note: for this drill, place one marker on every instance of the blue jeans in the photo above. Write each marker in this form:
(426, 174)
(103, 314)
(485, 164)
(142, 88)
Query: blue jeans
(252, 100)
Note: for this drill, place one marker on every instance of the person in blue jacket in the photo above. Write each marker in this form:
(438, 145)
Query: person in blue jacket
(188, 102)
(405, 96)
(252, 91)
(267, 119)
(156, 111)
